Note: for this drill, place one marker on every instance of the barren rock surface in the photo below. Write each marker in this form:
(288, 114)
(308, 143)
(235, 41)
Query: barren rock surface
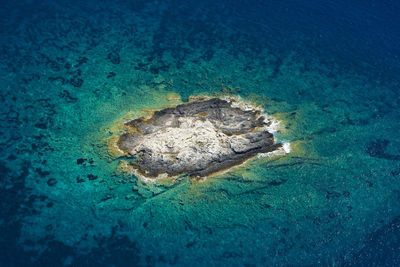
(198, 138)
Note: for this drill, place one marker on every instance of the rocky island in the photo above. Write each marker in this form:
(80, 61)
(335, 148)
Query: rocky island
(197, 138)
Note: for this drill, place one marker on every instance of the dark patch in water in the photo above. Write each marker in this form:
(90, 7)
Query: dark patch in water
(332, 194)
(76, 82)
(52, 182)
(276, 183)
(66, 95)
(381, 248)
(80, 161)
(114, 57)
(377, 149)
(111, 74)
(92, 177)
(41, 172)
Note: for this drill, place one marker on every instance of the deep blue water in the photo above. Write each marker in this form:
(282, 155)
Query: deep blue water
(328, 70)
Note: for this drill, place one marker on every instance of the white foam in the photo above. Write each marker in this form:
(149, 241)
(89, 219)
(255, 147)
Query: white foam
(274, 125)
(286, 147)
(238, 102)
(283, 150)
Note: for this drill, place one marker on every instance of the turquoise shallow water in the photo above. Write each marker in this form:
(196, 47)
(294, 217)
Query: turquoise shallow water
(71, 71)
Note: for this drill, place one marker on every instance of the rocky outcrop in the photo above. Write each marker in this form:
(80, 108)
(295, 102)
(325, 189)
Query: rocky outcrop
(198, 138)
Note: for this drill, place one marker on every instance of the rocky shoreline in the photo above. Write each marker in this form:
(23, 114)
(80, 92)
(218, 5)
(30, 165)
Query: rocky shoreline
(197, 138)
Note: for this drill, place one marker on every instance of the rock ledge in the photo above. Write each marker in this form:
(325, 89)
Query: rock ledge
(198, 138)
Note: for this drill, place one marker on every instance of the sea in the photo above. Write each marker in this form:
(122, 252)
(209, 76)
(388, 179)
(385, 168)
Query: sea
(72, 72)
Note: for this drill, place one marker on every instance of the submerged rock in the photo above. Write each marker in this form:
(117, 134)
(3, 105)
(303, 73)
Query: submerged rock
(52, 182)
(114, 57)
(197, 138)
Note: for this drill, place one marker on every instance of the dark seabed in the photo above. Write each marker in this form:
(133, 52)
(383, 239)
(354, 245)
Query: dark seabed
(71, 71)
